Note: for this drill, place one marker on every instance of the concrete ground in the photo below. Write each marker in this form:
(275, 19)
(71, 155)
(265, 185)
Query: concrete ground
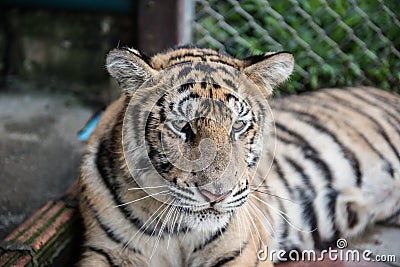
(39, 151)
(40, 154)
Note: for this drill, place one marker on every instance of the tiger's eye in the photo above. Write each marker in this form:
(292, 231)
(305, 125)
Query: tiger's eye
(238, 126)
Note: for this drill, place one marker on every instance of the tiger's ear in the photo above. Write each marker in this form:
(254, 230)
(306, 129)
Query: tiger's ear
(129, 68)
(270, 69)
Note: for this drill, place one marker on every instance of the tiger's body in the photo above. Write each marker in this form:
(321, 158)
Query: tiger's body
(328, 169)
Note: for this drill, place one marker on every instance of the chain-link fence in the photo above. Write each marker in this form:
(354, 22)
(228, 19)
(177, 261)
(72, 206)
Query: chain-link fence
(335, 42)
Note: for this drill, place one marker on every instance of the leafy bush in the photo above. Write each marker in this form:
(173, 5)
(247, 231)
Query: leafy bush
(335, 43)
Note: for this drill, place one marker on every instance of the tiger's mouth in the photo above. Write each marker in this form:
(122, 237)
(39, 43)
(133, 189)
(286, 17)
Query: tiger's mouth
(207, 219)
(211, 208)
(194, 204)
(201, 210)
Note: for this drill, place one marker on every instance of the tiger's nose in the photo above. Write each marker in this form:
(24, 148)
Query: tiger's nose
(212, 198)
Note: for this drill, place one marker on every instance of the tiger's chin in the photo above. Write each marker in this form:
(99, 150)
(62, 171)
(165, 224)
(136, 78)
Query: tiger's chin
(207, 220)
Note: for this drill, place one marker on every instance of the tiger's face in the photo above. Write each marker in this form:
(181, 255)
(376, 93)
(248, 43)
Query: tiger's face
(206, 142)
(196, 127)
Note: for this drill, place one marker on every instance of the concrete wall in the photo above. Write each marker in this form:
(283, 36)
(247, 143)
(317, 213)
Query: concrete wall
(62, 51)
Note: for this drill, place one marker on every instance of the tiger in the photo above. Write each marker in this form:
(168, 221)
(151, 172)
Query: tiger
(195, 164)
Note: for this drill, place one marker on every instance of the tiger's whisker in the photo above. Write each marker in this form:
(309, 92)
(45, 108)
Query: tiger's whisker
(284, 215)
(273, 195)
(144, 225)
(255, 207)
(142, 198)
(236, 216)
(254, 226)
(261, 187)
(249, 226)
(257, 211)
(147, 187)
(172, 208)
(180, 220)
(158, 221)
(172, 225)
(152, 221)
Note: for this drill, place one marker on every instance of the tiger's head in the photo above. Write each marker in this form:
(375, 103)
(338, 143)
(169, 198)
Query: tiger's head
(196, 128)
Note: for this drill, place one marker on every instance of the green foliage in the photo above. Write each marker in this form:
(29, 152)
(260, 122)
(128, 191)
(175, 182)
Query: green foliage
(335, 42)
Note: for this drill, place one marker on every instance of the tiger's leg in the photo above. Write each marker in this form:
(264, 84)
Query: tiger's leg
(377, 200)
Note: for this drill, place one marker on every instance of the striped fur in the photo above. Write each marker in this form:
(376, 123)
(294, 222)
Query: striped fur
(338, 157)
(332, 170)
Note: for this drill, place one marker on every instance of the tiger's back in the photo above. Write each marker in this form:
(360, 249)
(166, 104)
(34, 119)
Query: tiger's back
(338, 159)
